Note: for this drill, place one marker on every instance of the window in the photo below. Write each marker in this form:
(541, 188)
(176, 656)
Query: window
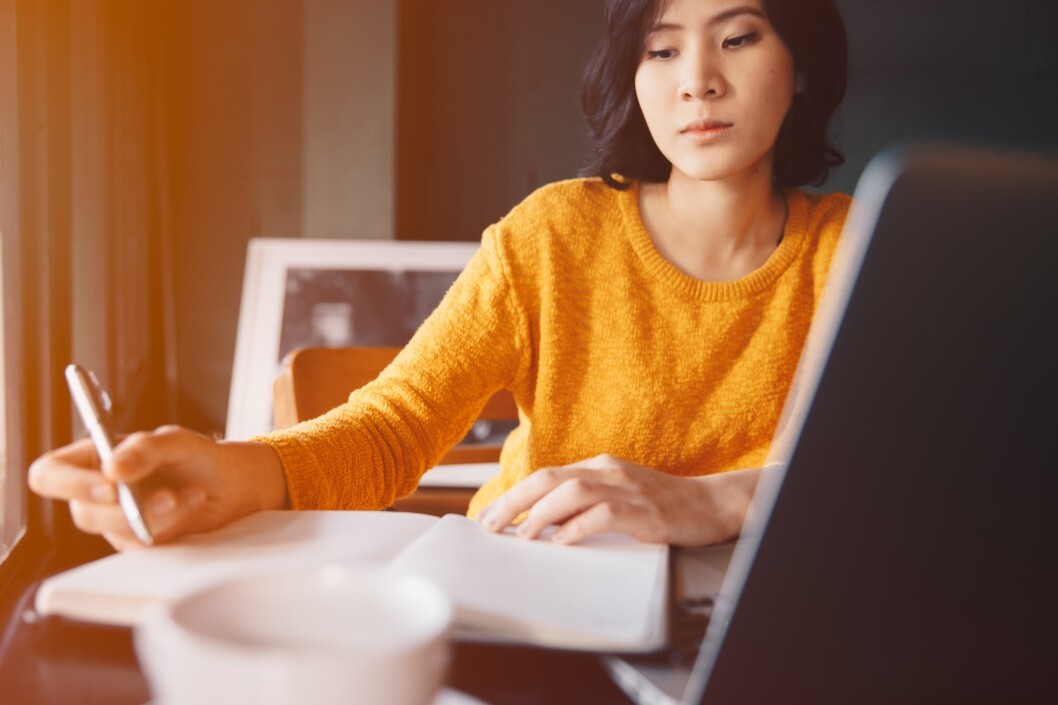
(83, 195)
(12, 490)
(34, 255)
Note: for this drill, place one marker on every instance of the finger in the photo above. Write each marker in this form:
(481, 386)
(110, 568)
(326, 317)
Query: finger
(524, 495)
(619, 516)
(81, 453)
(94, 518)
(570, 498)
(122, 542)
(171, 513)
(167, 513)
(499, 515)
(144, 453)
(69, 474)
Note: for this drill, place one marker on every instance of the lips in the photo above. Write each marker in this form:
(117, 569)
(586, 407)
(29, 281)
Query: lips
(705, 126)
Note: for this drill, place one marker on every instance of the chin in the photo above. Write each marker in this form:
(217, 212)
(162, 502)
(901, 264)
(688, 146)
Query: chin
(719, 169)
(704, 173)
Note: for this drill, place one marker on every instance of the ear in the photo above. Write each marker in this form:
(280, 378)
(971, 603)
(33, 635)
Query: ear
(800, 81)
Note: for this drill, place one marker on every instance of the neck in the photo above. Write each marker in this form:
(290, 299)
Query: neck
(715, 230)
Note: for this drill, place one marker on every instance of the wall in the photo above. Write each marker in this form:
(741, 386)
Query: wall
(975, 71)
(349, 104)
(488, 108)
(234, 80)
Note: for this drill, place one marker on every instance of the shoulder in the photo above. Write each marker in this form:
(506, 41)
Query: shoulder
(823, 215)
(557, 236)
(825, 210)
(820, 218)
(569, 201)
(562, 219)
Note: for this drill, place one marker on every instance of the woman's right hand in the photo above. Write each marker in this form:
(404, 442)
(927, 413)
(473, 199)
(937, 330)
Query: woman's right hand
(186, 483)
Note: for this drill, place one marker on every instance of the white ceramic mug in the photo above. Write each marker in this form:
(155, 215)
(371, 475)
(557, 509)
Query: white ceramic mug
(337, 635)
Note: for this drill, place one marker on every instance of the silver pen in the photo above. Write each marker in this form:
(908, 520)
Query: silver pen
(93, 405)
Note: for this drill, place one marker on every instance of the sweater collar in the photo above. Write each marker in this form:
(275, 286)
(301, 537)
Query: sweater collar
(761, 279)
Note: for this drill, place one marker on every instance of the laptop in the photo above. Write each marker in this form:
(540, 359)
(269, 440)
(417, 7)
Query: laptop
(906, 551)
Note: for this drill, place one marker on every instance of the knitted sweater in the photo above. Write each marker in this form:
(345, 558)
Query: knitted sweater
(606, 346)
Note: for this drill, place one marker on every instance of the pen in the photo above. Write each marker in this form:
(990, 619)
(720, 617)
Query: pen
(93, 405)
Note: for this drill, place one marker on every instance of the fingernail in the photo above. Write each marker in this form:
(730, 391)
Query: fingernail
(558, 537)
(101, 492)
(161, 503)
(523, 529)
(483, 515)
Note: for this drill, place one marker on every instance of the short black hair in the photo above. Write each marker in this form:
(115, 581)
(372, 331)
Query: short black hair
(815, 35)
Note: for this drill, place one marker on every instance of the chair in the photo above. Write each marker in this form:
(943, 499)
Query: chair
(313, 381)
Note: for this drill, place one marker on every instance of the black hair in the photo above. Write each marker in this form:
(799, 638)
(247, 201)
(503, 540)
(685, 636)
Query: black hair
(815, 35)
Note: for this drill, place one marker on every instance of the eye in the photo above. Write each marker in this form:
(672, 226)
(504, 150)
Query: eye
(741, 40)
(661, 54)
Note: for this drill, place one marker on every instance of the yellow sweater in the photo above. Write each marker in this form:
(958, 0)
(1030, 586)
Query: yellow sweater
(606, 346)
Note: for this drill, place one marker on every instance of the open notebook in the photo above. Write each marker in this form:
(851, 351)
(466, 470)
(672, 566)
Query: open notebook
(609, 593)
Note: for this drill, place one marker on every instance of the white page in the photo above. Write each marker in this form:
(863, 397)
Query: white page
(117, 589)
(609, 593)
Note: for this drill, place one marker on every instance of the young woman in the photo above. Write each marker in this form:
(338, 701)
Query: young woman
(648, 319)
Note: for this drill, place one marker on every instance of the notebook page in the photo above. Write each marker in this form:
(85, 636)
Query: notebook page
(118, 589)
(608, 593)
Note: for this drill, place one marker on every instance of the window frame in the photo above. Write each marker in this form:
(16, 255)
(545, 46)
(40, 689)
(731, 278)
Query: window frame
(35, 226)
(15, 545)
(12, 489)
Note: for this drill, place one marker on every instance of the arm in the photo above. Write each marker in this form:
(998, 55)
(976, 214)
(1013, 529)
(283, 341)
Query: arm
(361, 455)
(608, 494)
(190, 483)
(374, 448)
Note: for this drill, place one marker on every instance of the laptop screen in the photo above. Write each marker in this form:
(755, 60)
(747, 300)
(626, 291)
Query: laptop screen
(906, 553)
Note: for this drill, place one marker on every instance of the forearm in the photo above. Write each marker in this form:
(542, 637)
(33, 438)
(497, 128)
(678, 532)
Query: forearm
(346, 459)
(372, 450)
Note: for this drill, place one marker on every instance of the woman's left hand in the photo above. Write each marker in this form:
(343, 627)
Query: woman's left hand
(605, 493)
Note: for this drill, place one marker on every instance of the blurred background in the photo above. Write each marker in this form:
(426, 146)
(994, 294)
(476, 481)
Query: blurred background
(144, 142)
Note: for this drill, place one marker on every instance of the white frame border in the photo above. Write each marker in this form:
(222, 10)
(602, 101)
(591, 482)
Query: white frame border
(264, 292)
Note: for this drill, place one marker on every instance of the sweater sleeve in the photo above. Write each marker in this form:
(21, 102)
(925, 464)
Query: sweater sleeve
(373, 449)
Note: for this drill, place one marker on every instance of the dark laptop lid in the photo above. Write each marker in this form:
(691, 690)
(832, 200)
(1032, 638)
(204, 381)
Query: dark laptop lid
(909, 555)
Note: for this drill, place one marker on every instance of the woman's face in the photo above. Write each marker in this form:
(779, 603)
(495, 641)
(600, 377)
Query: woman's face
(714, 83)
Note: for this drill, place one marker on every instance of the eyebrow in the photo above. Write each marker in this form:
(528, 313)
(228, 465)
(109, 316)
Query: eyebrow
(719, 18)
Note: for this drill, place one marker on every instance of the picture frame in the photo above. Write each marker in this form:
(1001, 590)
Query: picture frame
(300, 292)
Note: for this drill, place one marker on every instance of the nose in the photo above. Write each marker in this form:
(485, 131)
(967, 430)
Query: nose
(703, 77)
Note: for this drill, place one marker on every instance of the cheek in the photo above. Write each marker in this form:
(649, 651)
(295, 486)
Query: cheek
(786, 81)
(777, 94)
(641, 88)
(647, 95)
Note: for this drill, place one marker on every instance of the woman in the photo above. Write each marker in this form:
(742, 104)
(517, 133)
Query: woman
(647, 319)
